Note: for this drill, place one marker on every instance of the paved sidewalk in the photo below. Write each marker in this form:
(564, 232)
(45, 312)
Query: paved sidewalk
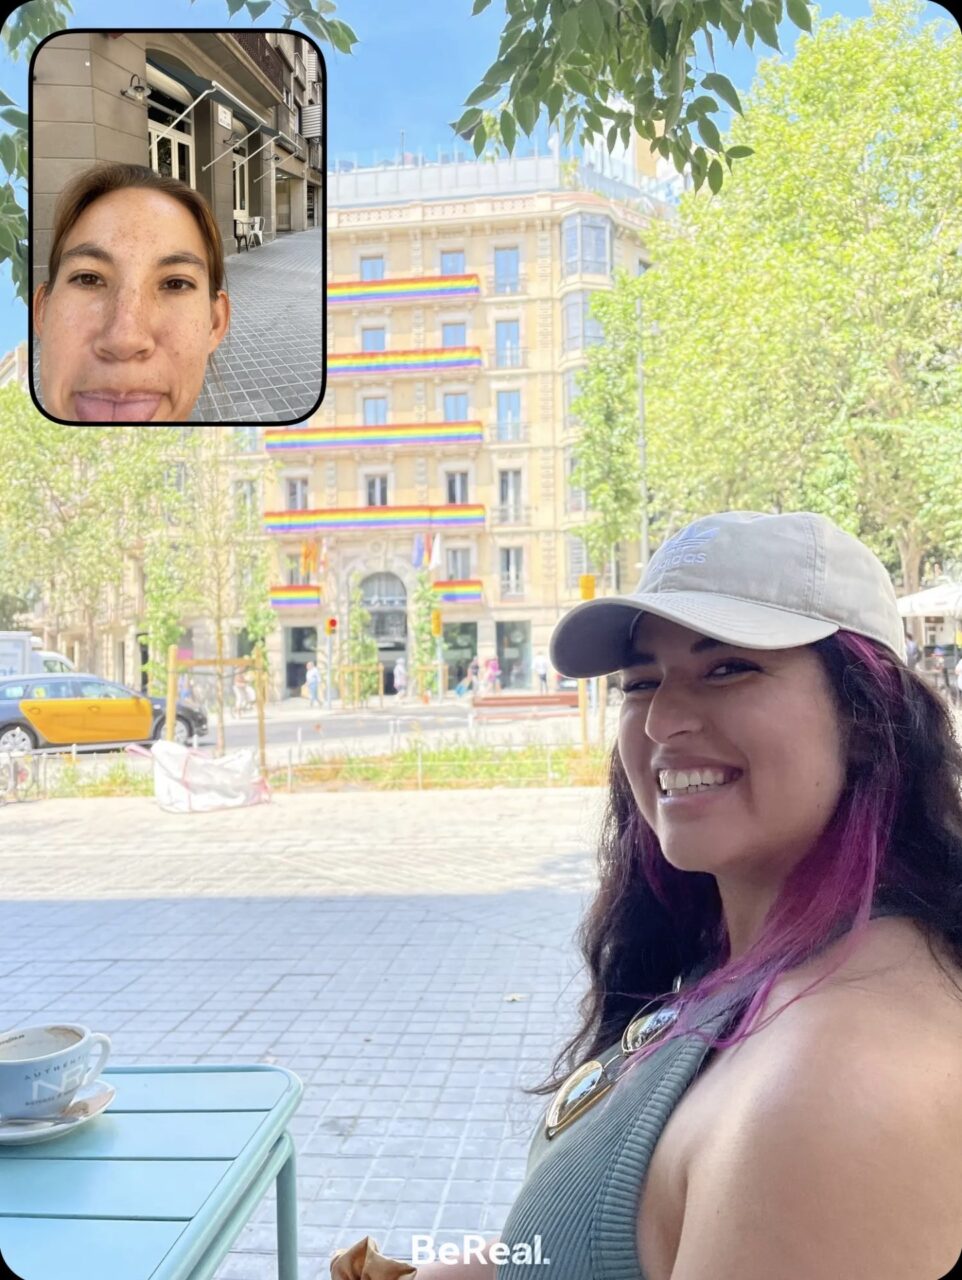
(270, 364)
(368, 941)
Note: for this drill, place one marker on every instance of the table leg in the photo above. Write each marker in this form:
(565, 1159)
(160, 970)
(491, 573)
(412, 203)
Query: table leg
(287, 1220)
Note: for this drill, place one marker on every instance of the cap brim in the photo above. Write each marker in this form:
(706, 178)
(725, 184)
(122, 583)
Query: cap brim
(594, 638)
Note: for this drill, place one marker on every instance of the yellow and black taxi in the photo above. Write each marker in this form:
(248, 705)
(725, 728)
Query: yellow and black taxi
(56, 709)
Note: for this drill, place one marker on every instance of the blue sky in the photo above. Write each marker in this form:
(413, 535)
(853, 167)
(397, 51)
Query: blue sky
(416, 63)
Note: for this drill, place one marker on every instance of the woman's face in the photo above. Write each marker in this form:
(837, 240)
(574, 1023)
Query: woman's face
(129, 323)
(767, 718)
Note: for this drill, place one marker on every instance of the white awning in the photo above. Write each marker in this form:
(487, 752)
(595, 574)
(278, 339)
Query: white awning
(944, 601)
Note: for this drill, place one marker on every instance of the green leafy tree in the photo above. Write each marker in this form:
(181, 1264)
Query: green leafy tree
(806, 349)
(166, 573)
(361, 644)
(32, 22)
(74, 503)
(611, 68)
(608, 466)
(423, 644)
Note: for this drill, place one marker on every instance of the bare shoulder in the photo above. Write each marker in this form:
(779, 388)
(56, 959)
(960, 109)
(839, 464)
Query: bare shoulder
(837, 1147)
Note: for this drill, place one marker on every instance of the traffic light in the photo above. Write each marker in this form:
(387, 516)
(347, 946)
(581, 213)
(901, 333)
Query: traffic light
(330, 626)
(436, 623)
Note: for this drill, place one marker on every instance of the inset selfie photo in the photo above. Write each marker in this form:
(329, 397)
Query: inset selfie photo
(177, 227)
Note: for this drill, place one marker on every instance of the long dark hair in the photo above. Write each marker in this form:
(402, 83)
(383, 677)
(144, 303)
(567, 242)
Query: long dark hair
(895, 840)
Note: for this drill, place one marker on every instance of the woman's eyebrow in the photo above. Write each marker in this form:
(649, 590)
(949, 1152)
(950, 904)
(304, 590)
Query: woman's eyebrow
(700, 646)
(181, 258)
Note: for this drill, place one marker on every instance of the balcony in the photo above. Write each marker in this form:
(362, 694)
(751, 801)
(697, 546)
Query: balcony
(512, 588)
(382, 436)
(508, 357)
(513, 284)
(510, 432)
(575, 502)
(421, 361)
(257, 47)
(510, 513)
(286, 121)
(363, 520)
(315, 157)
(299, 70)
(405, 290)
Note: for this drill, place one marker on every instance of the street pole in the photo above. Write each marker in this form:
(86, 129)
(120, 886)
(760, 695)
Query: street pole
(330, 667)
(642, 449)
(440, 659)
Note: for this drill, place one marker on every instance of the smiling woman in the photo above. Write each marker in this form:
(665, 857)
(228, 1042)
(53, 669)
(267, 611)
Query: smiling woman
(134, 304)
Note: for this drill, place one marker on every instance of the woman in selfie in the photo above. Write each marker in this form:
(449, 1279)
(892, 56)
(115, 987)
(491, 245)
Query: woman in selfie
(766, 1082)
(134, 304)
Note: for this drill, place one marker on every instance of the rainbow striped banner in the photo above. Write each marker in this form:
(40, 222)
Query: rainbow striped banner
(458, 590)
(351, 519)
(404, 289)
(428, 360)
(290, 597)
(289, 439)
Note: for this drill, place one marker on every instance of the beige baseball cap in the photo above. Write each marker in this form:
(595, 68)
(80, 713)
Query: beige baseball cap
(755, 580)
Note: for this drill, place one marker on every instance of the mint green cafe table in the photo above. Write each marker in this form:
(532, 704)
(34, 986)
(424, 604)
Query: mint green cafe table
(160, 1184)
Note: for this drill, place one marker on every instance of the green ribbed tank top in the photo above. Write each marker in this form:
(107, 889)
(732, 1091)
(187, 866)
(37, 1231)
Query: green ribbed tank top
(582, 1188)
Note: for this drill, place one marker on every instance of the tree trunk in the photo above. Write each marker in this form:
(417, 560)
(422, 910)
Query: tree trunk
(219, 633)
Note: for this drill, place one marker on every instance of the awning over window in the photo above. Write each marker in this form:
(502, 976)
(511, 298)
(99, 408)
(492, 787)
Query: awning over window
(200, 87)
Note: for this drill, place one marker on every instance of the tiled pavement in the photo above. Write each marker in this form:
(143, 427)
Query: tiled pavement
(367, 940)
(270, 364)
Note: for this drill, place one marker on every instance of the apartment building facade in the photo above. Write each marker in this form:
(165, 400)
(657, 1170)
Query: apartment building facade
(458, 320)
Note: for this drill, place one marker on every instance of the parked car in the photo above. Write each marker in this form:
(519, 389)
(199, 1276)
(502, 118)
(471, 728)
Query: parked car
(64, 709)
(191, 720)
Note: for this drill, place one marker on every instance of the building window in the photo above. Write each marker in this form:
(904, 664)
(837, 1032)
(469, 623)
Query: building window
(241, 186)
(457, 484)
(292, 572)
(511, 561)
(576, 560)
(455, 406)
(374, 339)
(507, 274)
(245, 439)
(377, 491)
(571, 393)
(297, 494)
(509, 415)
(509, 495)
(245, 498)
(375, 410)
(581, 328)
(454, 334)
(507, 344)
(452, 262)
(170, 150)
(458, 563)
(574, 497)
(586, 240)
(372, 268)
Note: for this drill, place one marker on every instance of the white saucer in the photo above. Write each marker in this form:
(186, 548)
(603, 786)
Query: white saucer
(87, 1102)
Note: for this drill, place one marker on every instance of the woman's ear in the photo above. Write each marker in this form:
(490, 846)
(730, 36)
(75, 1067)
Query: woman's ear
(39, 307)
(219, 321)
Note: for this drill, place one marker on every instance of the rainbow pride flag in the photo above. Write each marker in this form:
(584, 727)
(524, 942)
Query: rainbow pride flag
(427, 360)
(404, 289)
(284, 597)
(458, 590)
(289, 439)
(351, 519)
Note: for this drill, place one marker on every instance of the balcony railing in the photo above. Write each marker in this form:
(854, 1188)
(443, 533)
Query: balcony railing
(508, 357)
(502, 284)
(314, 157)
(509, 432)
(256, 46)
(285, 120)
(511, 587)
(299, 71)
(510, 513)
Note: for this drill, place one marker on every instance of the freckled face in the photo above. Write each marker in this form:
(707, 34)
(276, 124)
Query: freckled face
(129, 323)
(769, 713)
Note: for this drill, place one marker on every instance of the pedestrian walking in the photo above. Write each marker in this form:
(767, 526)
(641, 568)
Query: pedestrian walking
(240, 691)
(540, 665)
(474, 673)
(400, 678)
(940, 667)
(492, 675)
(777, 921)
(913, 653)
(313, 681)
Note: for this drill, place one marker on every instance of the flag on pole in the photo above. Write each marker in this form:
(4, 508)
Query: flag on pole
(417, 552)
(428, 542)
(435, 561)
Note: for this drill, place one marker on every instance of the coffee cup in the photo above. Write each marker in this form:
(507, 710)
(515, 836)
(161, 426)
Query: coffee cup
(41, 1068)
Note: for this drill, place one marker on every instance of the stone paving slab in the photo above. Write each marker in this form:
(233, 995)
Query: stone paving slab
(367, 940)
